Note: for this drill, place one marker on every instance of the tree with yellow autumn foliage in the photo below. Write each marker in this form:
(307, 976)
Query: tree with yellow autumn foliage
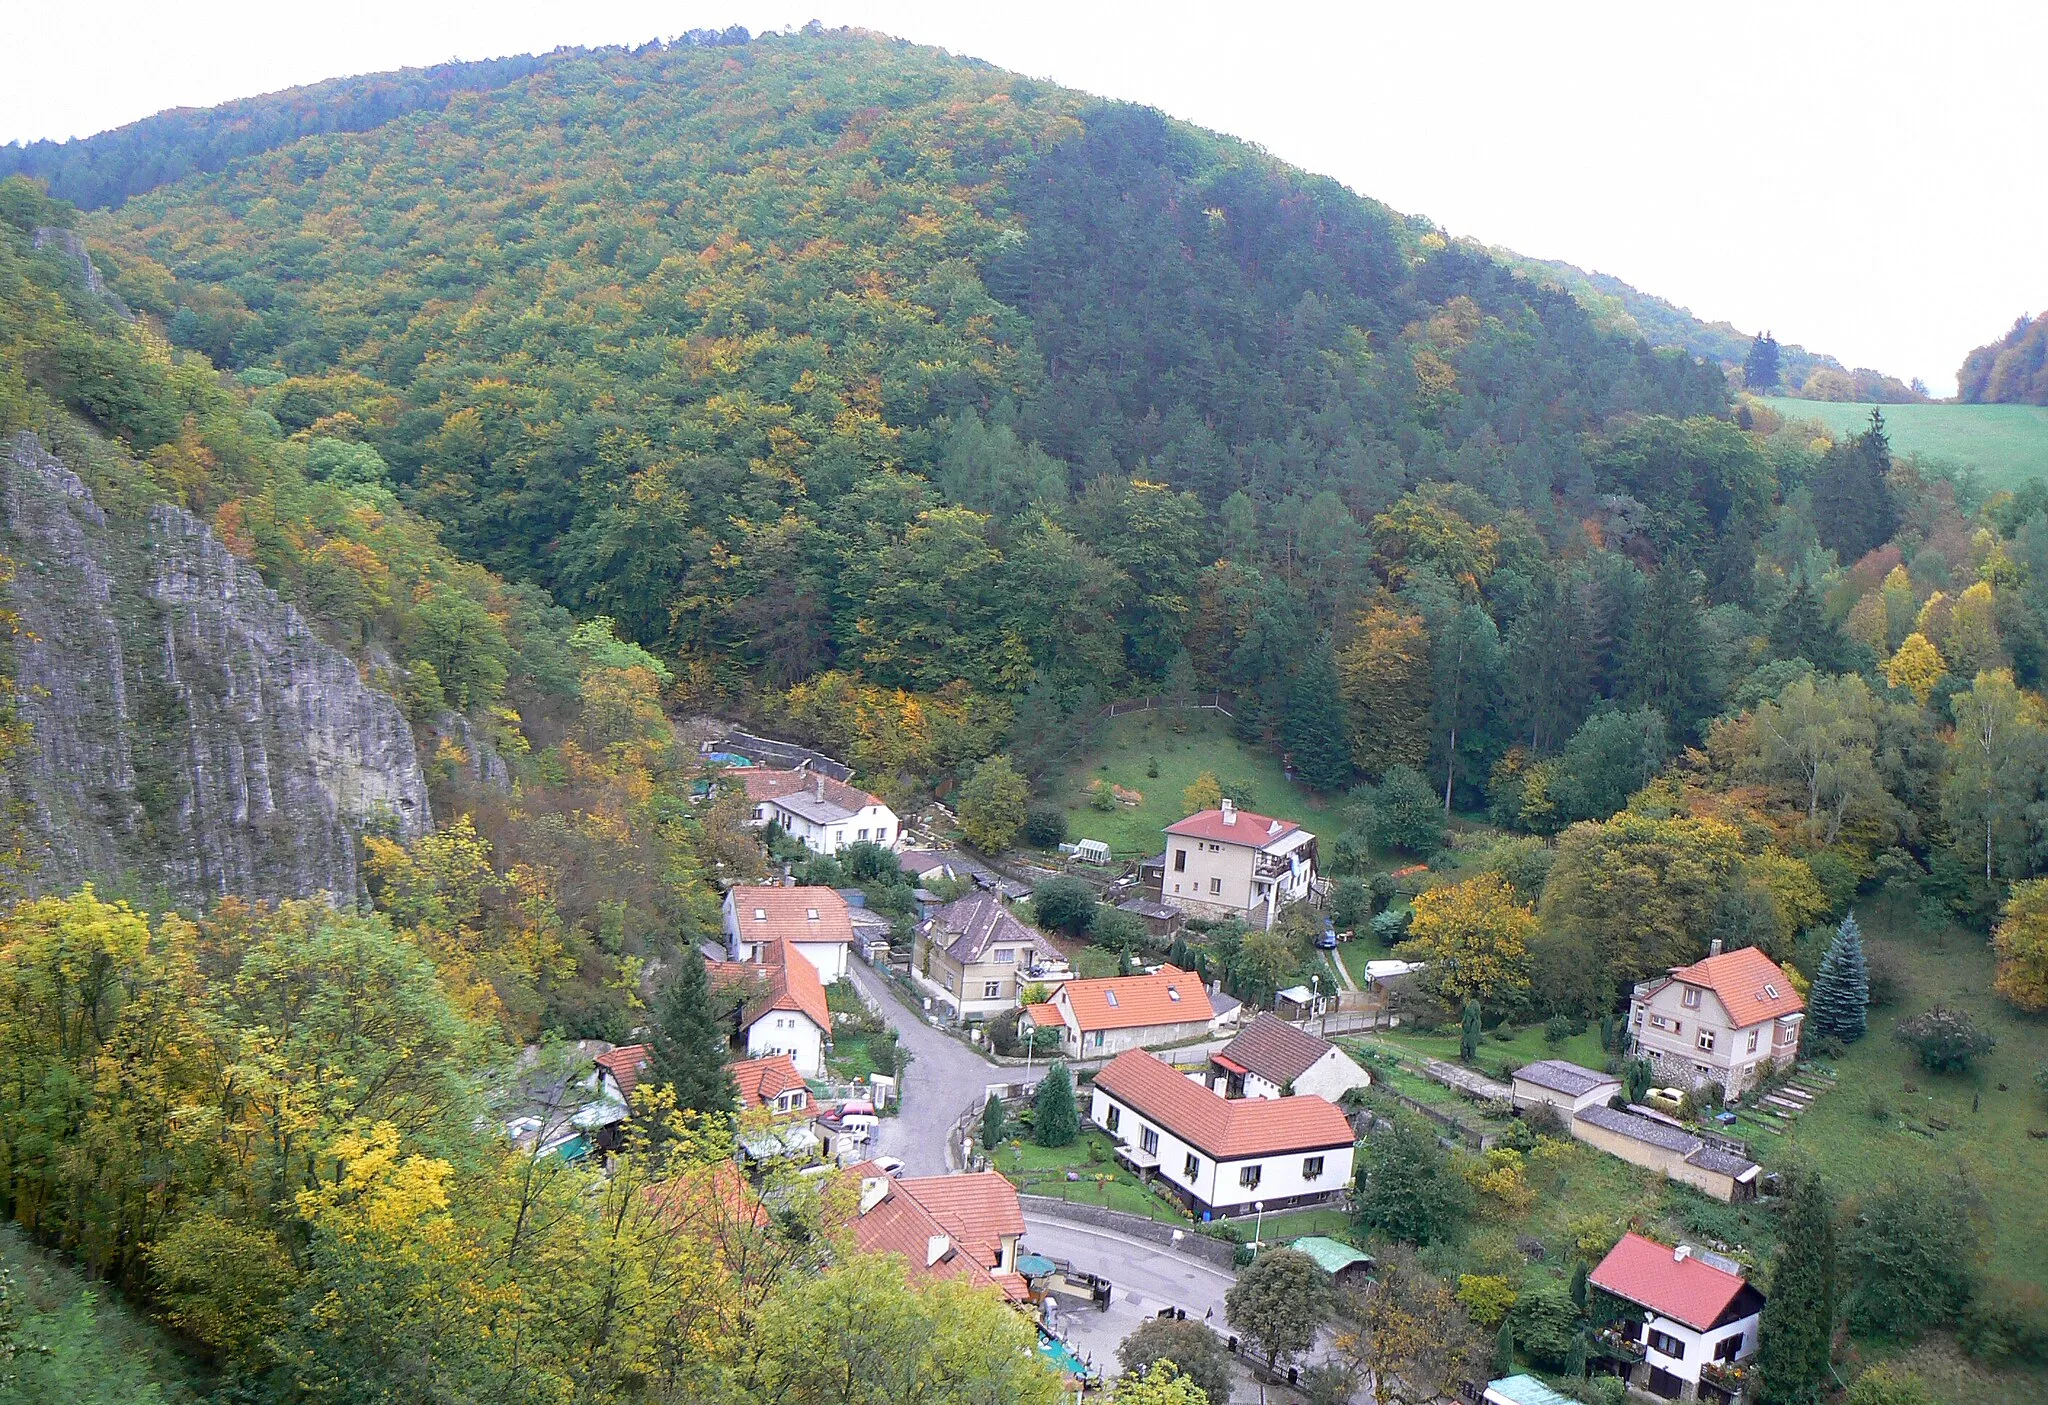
(1475, 938)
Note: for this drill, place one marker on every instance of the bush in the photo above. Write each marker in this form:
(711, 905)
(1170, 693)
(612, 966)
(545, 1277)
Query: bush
(1045, 825)
(1545, 1120)
(1407, 814)
(1546, 1324)
(1064, 905)
(1390, 928)
(1947, 1041)
(1488, 1297)
(1557, 1029)
(1879, 1108)
(1882, 974)
(2007, 1321)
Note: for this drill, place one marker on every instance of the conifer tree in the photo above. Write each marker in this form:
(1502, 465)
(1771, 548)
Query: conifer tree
(1504, 1350)
(1057, 1122)
(1579, 1285)
(689, 1044)
(1799, 1314)
(1837, 1005)
(1314, 730)
(1468, 1036)
(1760, 367)
(991, 1122)
(1665, 667)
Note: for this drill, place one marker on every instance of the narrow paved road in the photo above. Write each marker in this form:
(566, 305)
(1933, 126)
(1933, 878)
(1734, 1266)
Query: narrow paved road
(944, 1078)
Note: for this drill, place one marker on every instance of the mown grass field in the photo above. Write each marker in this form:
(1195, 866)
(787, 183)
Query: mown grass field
(2007, 443)
(1184, 744)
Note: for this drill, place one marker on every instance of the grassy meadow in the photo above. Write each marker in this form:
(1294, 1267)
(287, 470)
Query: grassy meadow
(2008, 444)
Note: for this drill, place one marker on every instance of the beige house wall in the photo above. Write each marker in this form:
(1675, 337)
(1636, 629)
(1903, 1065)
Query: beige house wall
(1656, 1158)
(1231, 869)
(1677, 1057)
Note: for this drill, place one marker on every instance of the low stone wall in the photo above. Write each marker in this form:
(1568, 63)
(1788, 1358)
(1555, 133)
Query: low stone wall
(1218, 1252)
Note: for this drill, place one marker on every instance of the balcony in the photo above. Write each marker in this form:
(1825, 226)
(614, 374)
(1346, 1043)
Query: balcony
(1609, 1342)
(1730, 1376)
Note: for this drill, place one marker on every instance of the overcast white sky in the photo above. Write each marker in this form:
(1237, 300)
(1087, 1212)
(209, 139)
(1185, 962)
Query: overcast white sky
(1862, 179)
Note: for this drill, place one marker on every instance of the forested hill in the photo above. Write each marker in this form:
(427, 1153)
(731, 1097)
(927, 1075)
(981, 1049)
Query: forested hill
(2010, 371)
(766, 350)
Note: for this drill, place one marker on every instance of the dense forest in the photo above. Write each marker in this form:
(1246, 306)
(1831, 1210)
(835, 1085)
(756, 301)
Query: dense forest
(2011, 371)
(915, 409)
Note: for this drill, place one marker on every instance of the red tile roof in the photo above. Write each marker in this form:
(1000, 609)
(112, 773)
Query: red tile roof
(1167, 996)
(977, 1209)
(1045, 1015)
(1246, 828)
(766, 783)
(762, 1081)
(625, 1064)
(899, 1223)
(1228, 1129)
(792, 985)
(1748, 983)
(794, 914)
(1652, 1275)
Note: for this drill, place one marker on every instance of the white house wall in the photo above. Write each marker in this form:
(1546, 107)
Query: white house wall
(1216, 1184)
(788, 1032)
(828, 958)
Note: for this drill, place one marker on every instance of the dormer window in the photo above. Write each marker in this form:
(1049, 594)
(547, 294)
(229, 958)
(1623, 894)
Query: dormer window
(1173, 992)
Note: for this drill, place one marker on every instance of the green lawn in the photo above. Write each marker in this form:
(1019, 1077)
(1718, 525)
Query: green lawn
(1184, 744)
(1495, 1057)
(1043, 1170)
(2007, 443)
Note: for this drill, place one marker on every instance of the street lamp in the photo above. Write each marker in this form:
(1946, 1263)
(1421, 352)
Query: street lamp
(1258, 1226)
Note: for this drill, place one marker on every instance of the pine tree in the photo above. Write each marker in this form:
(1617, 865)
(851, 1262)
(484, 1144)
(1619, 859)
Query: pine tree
(1799, 1315)
(1840, 998)
(1853, 509)
(1056, 1122)
(1468, 1036)
(991, 1122)
(1800, 631)
(1665, 665)
(1579, 1285)
(689, 1044)
(1314, 730)
(1504, 1350)
(1760, 368)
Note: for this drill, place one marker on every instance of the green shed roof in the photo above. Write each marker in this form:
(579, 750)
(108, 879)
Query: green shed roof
(1525, 1390)
(1333, 1255)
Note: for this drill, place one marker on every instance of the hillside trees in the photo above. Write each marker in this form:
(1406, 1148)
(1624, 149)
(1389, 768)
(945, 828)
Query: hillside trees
(1838, 1003)
(1385, 676)
(1797, 1332)
(1475, 937)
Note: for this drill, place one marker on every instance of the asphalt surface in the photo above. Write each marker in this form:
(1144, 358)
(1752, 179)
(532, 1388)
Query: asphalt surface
(945, 1078)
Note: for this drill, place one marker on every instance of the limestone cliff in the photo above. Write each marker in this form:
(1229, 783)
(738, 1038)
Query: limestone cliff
(192, 735)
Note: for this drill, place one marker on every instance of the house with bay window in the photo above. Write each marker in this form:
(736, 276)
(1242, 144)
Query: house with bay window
(1729, 1019)
(1687, 1323)
(1222, 1156)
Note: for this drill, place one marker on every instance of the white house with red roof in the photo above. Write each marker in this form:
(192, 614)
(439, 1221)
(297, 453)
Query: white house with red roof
(826, 814)
(784, 1011)
(1728, 1019)
(1113, 1013)
(1699, 1324)
(816, 923)
(1229, 862)
(1223, 1156)
(965, 1226)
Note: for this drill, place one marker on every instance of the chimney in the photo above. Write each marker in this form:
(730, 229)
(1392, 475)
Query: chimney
(1681, 1253)
(820, 787)
(1714, 947)
(937, 1249)
(1229, 811)
(873, 1191)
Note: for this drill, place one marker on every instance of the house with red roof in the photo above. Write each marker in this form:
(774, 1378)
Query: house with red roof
(783, 1010)
(1699, 1320)
(965, 1226)
(772, 1085)
(1729, 1019)
(1229, 862)
(1222, 1156)
(826, 814)
(1113, 1013)
(815, 922)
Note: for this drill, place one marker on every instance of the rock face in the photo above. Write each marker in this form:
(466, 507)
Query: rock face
(192, 735)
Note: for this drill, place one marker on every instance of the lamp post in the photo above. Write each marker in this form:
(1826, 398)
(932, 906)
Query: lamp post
(1258, 1226)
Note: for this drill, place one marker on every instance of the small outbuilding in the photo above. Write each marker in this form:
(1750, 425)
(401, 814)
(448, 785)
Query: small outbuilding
(1341, 1261)
(1568, 1087)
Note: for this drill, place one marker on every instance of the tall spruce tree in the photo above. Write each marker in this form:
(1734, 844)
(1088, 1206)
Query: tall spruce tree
(1853, 510)
(1760, 368)
(1055, 1120)
(1800, 631)
(1468, 1034)
(1799, 1314)
(1839, 1002)
(689, 1043)
(991, 1122)
(1314, 729)
(1665, 666)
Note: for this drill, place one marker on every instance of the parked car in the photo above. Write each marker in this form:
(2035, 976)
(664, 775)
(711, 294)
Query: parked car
(889, 1165)
(1328, 940)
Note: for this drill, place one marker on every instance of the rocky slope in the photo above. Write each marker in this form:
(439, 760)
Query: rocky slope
(192, 736)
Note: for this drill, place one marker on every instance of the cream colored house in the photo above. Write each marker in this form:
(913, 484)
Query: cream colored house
(977, 957)
(1728, 1019)
(1229, 862)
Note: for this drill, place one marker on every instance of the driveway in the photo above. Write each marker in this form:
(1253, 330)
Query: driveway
(945, 1077)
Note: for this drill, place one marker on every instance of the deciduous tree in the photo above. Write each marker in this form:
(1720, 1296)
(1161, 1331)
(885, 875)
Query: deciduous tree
(1475, 938)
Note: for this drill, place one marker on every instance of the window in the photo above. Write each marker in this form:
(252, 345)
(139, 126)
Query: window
(1728, 1349)
(1192, 1167)
(1110, 996)
(1115, 1118)
(1180, 861)
(1771, 991)
(1215, 885)
(1097, 1037)
(863, 836)
(1148, 1141)
(760, 914)
(991, 990)
(1660, 1022)
(1007, 953)
(1706, 1039)
(1692, 997)
(1668, 1345)
(882, 835)
(1248, 1176)
(1312, 1168)
(1173, 993)
(1752, 1041)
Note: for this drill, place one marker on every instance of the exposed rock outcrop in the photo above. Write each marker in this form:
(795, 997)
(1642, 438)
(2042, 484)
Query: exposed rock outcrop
(68, 241)
(192, 735)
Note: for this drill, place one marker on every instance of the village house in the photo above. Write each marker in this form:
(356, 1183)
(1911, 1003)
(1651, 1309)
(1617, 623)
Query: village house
(974, 954)
(1729, 1019)
(1568, 1087)
(1271, 1058)
(775, 1110)
(964, 1226)
(1700, 1320)
(1229, 862)
(1222, 1156)
(784, 1010)
(1113, 1013)
(602, 1119)
(826, 814)
(813, 922)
